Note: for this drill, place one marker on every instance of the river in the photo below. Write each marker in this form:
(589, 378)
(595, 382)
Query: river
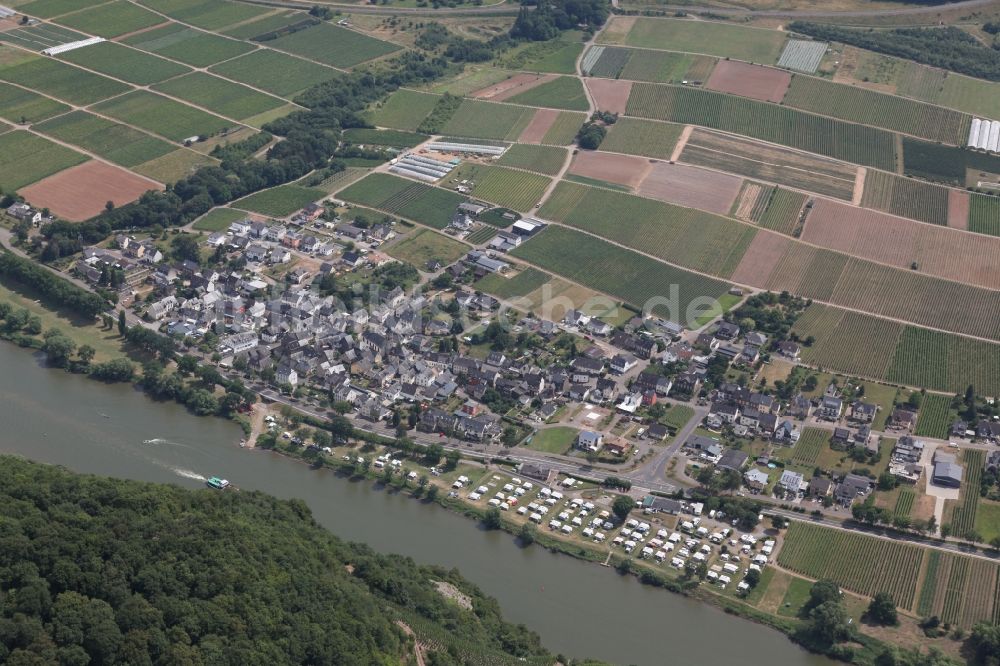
(579, 609)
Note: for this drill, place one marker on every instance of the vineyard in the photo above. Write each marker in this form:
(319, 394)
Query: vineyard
(963, 516)
(425, 204)
(847, 341)
(904, 503)
(626, 275)
(958, 589)
(543, 159)
(880, 110)
(709, 37)
(984, 214)
(564, 128)
(809, 446)
(751, 202)
(782, 212)
(642, 137)
(518, 190)
(944, 164)
(521, 284)
(609, 63)
(666, 67)
(487, 120)
(906, 197)
(860, 563)
(770, 122)
(944, 362)
(935, 416)
(684, 236)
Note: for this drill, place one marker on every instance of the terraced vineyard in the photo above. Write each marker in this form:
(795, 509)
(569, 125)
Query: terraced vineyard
(963, 517)
(906, 197)
(853, 143)
(935, 416)
(683, 236)
(809, 446)
(623, 274)
(859, 563)
(860, 105)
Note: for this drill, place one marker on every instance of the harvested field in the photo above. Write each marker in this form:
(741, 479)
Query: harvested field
(510, 87)
(609, 95)
(739, 78)
(538, 126)
(770, 163)
(905, 197)
(892, 240)
(80, 192)
(958, 209)
(621, 169)
(642, 137)
(692, 187)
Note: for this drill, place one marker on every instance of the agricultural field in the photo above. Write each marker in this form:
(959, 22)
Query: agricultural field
(392, 138)
(710, 38)
(52, 77)
(683, 236)
(642, 137)
(112, 19)
(425, 245)
(766, 84)
(906, 197)
(162, 116)
(375, 189)
(753, 198)
(218, 219)
(40, 37)
(605, 61)
(123, 63)
(560, 58)
(944, 164)
(174, 166)
(522, 284)
(935, 417)
(945, 362)
(782, 211)
(23, 106)
(904, 503)
(838, 343)
(542, 159)
(564, 92)
(404, 110)
(251, 30)
(766, 162)
(279, 201)
(117, 143)
(336, 181)
(959, 590)
(963, 515)
(666, 66)
(26, 158)
(626, 275)
(333, 45)
(190, 46)
(988, 520)
(984, 214)
(802, 55)
(857, 562)
(277, 73)
(226, 98)
(518, 190)
(928, 249)
(207, 14)
(778, 124)
(422, 203)
(481, 235)
(563, 129)
(858, 105)
(49, 8)
(487, 120)
(809, 446)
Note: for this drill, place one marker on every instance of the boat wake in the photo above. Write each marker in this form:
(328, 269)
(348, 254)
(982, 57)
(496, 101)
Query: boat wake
(187, 474)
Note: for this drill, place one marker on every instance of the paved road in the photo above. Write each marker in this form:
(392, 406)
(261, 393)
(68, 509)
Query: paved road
(809, 13)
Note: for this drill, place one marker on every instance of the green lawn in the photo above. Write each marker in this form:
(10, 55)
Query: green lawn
(279, 201)
(795, 597)
(557, 439)
(425, 245)
(218, 219)
(988, 519)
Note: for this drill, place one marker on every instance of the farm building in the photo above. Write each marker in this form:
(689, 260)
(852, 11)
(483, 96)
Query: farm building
(947, 471)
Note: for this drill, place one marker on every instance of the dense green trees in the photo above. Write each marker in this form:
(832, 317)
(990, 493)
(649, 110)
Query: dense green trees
(104, 571)
(55, 289)
(549, 17)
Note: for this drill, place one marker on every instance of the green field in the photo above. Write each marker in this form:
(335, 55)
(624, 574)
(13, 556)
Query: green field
(266, 24)
(279, 201)
(207, 14)
(518, 190)
(557, 439)
(404, 110)
(423, 245)
(123, 63)
(625, 275)
(174, 166)
(333, 45)
(487, 120)
(906, 197)
(988, 520)
(481, 235)
(560, 58)
(392, 138)
(111, 20)
(277, 73)
(22, 106)
(118, 143)
(860, 563)
(853, 143)
(666, 67)
(50, 8)
(190, 46)
(565, 92)
(564, 129)
(522, 284)
(984, 214)
(944, 164)
(809, 446)
(642, 137)
(162, 116)
(543, 159)
(422, 203)
(218, 219)
(219, 96)
(26, 158)
(963, 516)
(683, 236)
(868, 107)
(904, 503)
(708, 37)
(51, 77)
(838, 335)
(782, 212)
(935, 417)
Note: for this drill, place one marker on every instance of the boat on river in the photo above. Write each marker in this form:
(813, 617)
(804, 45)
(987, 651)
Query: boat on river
(217, 483)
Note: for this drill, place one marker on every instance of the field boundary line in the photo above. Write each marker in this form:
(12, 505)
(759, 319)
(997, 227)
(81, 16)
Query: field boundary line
(859, 188)
(682, 142)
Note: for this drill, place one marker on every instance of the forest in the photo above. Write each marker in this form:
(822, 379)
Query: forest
(104, 571)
